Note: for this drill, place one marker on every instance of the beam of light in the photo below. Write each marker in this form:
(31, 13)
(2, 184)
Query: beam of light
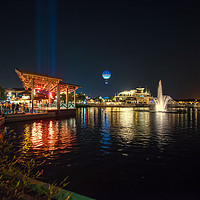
(46, 36)
(49, 49)
(39, 36)
(52, 20)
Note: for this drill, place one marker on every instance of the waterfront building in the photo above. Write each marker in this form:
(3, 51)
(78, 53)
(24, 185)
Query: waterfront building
(136, 96)
(187, 102)
(36, 83)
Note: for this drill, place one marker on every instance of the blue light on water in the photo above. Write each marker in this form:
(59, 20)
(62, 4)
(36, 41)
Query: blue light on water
(105, 134)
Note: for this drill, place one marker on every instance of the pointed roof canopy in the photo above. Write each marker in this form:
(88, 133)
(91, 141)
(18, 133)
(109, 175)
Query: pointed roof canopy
(71, 87)
(43, 81)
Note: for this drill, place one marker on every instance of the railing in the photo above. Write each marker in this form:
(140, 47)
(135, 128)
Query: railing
(9, 109)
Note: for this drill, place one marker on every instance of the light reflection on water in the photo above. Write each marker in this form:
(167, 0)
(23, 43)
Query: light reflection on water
(106, 130)
(163, 126)
(42, 138)
(120, 148)
(105, 141)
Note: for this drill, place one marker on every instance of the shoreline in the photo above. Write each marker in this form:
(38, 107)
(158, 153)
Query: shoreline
(134, 106)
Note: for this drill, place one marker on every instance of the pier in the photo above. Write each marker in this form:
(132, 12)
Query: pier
(44, 115)
(51, 85)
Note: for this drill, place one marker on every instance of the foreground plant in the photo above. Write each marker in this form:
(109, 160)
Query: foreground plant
(17, 176)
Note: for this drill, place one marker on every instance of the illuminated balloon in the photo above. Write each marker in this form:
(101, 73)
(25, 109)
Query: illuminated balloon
(106, 75)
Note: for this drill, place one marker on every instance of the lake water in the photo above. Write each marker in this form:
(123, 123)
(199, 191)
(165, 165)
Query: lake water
(118, 153)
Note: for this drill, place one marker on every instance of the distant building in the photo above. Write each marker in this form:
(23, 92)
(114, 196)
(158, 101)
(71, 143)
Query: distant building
(137, 96)
(91, 101)
(187, 101)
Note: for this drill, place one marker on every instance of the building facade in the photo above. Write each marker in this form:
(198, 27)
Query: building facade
(137, 96)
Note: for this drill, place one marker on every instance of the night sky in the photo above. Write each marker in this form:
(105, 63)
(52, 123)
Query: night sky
(139, 41)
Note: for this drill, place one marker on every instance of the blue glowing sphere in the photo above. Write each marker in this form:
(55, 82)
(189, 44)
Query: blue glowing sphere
(106, 74)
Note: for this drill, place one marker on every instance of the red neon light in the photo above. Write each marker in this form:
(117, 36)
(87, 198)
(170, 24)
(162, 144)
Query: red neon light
(51, 95)
(34, 91)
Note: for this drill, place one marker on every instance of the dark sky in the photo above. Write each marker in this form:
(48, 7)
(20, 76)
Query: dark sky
(139, 41)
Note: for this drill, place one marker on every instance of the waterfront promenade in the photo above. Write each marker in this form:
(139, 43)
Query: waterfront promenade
(43, 114)
(32, 108)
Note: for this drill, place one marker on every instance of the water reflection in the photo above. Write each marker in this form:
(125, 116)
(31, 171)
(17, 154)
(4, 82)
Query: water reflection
(130, 147)
(48, 138)
(37, 135)
(26, 143)
(52, 136)
(134, 127)
(163, 126)
(106, 130)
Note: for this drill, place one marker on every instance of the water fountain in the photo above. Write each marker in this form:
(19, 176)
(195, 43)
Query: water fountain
(161, 102)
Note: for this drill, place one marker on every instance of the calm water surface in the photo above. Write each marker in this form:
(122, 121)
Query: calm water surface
(119, 153)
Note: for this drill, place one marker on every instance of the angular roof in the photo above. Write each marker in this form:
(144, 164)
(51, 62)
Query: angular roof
(33, 74)
(43, 81)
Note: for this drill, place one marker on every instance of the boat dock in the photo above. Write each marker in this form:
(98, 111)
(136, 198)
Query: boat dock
(45, 115)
